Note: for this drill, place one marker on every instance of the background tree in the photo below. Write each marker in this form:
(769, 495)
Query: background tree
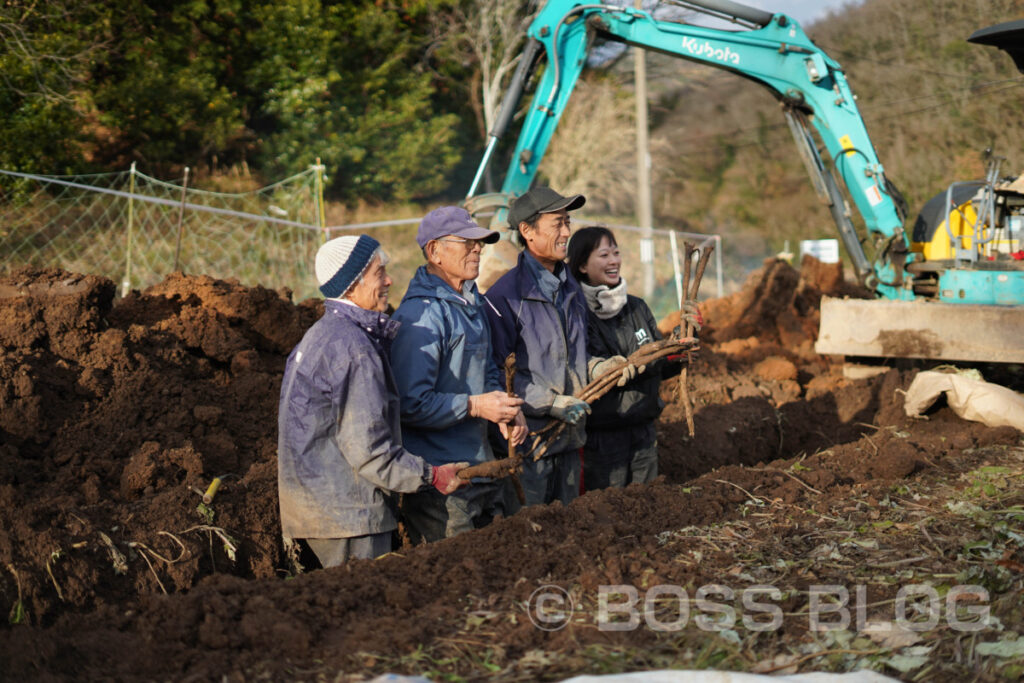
(475, 49)
(45, 52)
(357, 97)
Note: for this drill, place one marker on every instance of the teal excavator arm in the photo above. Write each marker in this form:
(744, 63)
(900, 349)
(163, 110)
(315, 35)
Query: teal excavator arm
(770, 49)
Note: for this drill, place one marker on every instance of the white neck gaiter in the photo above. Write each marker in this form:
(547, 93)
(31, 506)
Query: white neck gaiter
(605, 301)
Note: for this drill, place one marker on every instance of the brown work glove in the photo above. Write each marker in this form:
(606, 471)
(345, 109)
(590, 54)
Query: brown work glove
(445, 478)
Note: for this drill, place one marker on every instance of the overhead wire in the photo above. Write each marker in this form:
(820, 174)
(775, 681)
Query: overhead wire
(978, 88)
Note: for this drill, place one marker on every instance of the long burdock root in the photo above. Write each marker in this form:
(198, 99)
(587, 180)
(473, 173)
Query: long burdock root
(494, 469)
(506, 467)
(691, 295)
(645, 355)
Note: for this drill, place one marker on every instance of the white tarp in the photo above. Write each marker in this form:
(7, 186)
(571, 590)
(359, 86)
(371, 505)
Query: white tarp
(971, 399)
(695, 677)
(732, 677)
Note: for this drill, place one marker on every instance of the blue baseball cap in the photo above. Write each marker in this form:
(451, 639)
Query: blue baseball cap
(452, 220)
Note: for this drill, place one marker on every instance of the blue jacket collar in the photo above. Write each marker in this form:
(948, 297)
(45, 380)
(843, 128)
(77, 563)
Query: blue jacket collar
(426, 285)
(529, 273)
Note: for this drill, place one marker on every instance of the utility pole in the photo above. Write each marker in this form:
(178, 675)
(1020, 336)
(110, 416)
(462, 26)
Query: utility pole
(644, 213)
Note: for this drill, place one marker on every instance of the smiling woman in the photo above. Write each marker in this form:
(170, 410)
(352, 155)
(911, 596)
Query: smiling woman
(621, 445)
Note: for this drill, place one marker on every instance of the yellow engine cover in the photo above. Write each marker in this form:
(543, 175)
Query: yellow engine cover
(961, 223)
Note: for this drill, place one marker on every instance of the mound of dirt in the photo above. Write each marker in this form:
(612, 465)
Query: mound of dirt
(776, 304)
(115, 416)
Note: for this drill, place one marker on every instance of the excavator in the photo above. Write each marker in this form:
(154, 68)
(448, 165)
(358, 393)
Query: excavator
(949, 288)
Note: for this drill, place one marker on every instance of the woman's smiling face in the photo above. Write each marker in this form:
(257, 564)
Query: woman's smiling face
(602, 266)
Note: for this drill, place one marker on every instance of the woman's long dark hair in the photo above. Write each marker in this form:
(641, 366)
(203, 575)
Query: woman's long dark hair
(583, 243)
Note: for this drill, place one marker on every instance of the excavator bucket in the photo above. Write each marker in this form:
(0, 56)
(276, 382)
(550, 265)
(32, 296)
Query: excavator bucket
(921, 329)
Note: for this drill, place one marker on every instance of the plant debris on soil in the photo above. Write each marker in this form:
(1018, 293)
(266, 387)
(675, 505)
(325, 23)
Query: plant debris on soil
(849, 517)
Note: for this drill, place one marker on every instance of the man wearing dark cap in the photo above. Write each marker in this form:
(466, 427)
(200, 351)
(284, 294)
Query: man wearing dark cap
(539, 312)
(340, 454)
(449, 386)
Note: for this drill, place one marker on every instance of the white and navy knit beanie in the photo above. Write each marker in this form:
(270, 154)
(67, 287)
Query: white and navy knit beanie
(340, 262)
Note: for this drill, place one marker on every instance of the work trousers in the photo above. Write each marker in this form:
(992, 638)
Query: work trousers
(334, 551)
(430, 516)
(617, 457)
(553, 477)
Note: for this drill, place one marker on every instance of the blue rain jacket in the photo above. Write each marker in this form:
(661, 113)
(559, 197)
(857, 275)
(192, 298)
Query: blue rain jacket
(551, 358)
(440, 356)
(339, 451)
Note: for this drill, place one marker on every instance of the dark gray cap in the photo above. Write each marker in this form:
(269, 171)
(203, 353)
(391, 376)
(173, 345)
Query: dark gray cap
(541, 199)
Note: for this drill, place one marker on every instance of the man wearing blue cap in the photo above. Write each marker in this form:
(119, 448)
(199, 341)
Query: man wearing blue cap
(340, 454)
(450, 387)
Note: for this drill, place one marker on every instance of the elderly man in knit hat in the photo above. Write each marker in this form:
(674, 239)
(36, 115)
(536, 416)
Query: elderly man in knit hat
(340, 452)
(450, 387)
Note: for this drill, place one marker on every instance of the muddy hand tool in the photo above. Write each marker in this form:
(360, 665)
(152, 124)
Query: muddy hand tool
(690, 290)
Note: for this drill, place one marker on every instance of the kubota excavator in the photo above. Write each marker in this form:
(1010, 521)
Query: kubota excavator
(949, 290)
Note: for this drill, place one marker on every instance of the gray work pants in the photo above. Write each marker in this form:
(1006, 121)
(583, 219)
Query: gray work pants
(615, 458)
(334, 551)
(553, 477)
(430, 516)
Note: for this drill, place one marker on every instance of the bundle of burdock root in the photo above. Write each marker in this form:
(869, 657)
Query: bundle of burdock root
(546, 435)
(641, 358)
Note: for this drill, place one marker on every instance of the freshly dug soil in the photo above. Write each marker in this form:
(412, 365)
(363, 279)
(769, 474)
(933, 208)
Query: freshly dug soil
(116, 415)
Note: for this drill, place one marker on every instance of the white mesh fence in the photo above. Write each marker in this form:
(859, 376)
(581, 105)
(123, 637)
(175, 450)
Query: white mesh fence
(136, 230)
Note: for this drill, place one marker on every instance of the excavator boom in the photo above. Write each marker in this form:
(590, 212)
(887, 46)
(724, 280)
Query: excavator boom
(773, 51)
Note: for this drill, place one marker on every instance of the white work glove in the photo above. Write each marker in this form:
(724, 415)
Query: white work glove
(598, 366)
(569, 408)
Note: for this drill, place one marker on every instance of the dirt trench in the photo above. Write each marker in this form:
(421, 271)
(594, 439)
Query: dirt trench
(115, 416)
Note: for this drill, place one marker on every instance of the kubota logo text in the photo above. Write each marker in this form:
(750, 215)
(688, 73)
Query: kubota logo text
(708, 51)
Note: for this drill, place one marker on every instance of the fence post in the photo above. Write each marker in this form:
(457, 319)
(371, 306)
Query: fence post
(181, 220)
(718, 264)
(675, 266)
(126, 283)
(321, 214)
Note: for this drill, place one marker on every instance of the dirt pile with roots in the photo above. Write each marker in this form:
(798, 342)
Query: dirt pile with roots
(116, 415)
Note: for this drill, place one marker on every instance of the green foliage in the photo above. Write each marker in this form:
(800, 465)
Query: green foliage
(208, 82)
(364, 109)
(42, 63)
(170, 88)
(17, 614)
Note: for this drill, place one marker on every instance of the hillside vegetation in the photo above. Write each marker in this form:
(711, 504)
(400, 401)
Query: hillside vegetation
(932, 103)
(375, 93)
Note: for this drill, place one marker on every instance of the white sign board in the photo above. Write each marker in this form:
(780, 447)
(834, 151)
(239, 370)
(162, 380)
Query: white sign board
(826, 251)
